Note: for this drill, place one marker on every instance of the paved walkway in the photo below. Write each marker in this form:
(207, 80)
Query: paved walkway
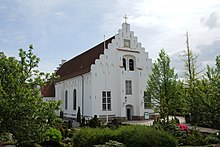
(149, 122)
(181, 119)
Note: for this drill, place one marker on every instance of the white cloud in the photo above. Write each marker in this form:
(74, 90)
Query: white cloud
(212, 21)
(157, 23)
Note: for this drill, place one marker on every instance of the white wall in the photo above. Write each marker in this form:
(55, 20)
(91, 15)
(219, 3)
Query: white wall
(46, 99)
(70, 85)
(108, 74)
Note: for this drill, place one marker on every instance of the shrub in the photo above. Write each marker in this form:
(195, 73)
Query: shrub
(145, 136)
(116, 122)
(7, 138)
(180, 132)
(212, 139)
(54, 135)
(94, 122)
(195, 138)
(140, 136)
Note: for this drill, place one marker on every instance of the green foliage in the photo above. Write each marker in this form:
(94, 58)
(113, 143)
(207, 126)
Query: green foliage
(209, 93)
(163, 88)
(140, 136)
(179, 133)
(94, 122)
(212, 139)
(7, 138)
(53, 134)
(23, 113)
(202, 94)
(195, 138)
(91, 136)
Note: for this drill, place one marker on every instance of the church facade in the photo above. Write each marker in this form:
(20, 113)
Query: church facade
(107, 80)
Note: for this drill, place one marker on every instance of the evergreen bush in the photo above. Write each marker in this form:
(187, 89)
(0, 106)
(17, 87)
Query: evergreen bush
(139, 136)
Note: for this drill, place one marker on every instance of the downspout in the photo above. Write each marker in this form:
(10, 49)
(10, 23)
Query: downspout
(82, 95)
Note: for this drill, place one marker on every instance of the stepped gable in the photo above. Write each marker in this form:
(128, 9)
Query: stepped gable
(76, 66)
(81, 64)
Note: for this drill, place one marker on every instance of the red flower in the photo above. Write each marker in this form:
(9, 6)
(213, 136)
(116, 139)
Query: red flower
(184, 128)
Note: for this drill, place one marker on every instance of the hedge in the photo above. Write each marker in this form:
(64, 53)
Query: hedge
(138, 136)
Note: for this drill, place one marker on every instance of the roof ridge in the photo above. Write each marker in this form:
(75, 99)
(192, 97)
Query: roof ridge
(81, 63)
(92, 48)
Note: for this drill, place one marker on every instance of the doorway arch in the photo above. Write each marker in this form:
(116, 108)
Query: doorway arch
(129, 112)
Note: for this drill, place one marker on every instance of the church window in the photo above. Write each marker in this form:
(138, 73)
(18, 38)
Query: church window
(131, 64)
(147, 100)
(66, 99)
(127, 43)
(106, 100)
(128, 87)
(74, 99)
(124, 63)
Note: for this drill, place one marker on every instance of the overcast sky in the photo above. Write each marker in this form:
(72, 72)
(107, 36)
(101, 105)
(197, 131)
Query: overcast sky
(62, 29)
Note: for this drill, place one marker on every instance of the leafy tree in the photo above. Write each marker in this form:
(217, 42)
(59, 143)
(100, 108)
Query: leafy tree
(178, 104)
(209, 93)
(161, 86)
(23, 113)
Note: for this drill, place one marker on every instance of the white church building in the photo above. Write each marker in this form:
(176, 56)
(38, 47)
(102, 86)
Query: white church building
(107, 80)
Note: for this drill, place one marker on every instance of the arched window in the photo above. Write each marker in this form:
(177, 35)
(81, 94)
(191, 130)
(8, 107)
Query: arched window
(124, 63)
(131, 64)
(74, 99)
(66, 99)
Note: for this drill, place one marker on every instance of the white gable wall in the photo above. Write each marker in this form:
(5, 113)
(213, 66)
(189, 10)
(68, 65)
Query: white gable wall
(108, 74)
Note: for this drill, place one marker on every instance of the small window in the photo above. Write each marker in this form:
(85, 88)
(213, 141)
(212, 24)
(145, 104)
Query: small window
(124, 63)
(147, 100)
(126, 43)
(74, 99)
(66, 99)
(128, 87)
(131, 64)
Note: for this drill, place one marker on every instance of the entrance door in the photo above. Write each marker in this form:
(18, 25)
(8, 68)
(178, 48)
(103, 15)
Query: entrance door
(128, 114)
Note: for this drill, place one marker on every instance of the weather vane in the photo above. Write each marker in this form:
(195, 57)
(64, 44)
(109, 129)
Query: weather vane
(125, 17)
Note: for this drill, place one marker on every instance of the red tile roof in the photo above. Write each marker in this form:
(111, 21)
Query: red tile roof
(48, 90)
(76, 66)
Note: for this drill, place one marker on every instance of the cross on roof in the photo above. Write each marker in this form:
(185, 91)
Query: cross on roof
(125, 17)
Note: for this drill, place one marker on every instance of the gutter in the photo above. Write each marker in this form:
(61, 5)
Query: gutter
(82, 95)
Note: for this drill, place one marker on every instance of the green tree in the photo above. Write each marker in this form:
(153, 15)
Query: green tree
(191, 77)
(209, 93)
(23, 113)
(161, 86)
(178, 104)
